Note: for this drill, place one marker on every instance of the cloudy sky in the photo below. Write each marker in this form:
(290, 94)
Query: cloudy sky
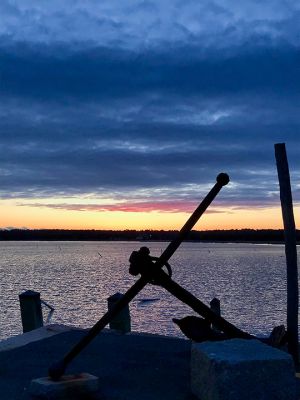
(120, 114)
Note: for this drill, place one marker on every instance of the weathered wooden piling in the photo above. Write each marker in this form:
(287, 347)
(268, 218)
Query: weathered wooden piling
(290, 249)
(31, 310)
(215, 306)
(122, 321)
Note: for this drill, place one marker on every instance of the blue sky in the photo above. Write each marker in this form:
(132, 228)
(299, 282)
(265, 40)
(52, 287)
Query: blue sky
(145, 102)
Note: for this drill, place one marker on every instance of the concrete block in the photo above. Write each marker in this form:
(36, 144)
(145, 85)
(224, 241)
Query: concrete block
(240, 369)
(76, 387)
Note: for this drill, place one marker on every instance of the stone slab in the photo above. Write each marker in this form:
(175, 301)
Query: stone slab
(241, 369)
(130, 367)
(76, 387)
(33, 336)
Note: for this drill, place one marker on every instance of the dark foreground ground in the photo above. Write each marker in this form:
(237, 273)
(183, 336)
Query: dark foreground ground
(130, 367)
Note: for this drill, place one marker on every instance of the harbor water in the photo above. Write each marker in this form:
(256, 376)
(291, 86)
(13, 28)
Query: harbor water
(76, 278)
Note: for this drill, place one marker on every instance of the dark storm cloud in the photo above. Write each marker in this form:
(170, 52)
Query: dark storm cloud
(60, 74)
(98, 112)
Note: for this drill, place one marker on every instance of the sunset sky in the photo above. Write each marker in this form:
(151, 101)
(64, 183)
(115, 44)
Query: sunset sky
(120, 114)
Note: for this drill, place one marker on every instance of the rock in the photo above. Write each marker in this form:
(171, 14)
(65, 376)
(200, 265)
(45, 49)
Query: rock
(240, 369)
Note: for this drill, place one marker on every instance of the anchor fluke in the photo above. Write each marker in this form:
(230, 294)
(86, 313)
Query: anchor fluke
(198, 329)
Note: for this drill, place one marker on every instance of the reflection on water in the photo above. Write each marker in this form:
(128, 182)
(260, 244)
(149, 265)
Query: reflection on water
(77, 277)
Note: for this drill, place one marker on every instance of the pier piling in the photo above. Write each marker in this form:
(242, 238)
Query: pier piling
(31, 310)
(122, 321)
(290, 249)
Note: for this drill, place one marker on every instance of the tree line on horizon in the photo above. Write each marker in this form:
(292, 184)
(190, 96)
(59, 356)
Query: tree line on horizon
(242, 235)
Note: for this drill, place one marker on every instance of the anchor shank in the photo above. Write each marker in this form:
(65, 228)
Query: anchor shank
(222, 180)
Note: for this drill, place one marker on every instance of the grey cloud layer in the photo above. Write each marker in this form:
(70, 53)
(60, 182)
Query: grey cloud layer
(146, 24)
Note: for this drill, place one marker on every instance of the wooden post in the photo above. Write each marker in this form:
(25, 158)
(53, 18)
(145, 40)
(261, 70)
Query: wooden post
(216, 308)
(121, 322)
(290, 249)
(31, 310)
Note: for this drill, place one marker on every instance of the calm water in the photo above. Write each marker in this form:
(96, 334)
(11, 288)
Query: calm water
(248, 279)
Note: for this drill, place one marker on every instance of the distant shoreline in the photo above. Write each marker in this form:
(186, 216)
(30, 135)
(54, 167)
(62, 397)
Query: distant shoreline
(255, 236)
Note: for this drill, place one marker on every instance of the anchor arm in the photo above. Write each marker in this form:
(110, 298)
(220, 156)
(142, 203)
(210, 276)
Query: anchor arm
(188, 298)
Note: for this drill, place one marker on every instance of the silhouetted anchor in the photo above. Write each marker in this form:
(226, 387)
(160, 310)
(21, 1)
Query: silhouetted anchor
(150, 269)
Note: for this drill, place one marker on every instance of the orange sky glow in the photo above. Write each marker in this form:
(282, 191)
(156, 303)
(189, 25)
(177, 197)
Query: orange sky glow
(43, 217)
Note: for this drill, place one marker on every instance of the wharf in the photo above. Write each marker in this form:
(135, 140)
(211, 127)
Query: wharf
(133, 366)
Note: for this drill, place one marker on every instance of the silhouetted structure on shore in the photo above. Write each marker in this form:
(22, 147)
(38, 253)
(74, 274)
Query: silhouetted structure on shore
(233, 235)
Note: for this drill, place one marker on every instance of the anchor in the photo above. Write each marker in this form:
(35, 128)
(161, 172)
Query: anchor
(151, 271)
